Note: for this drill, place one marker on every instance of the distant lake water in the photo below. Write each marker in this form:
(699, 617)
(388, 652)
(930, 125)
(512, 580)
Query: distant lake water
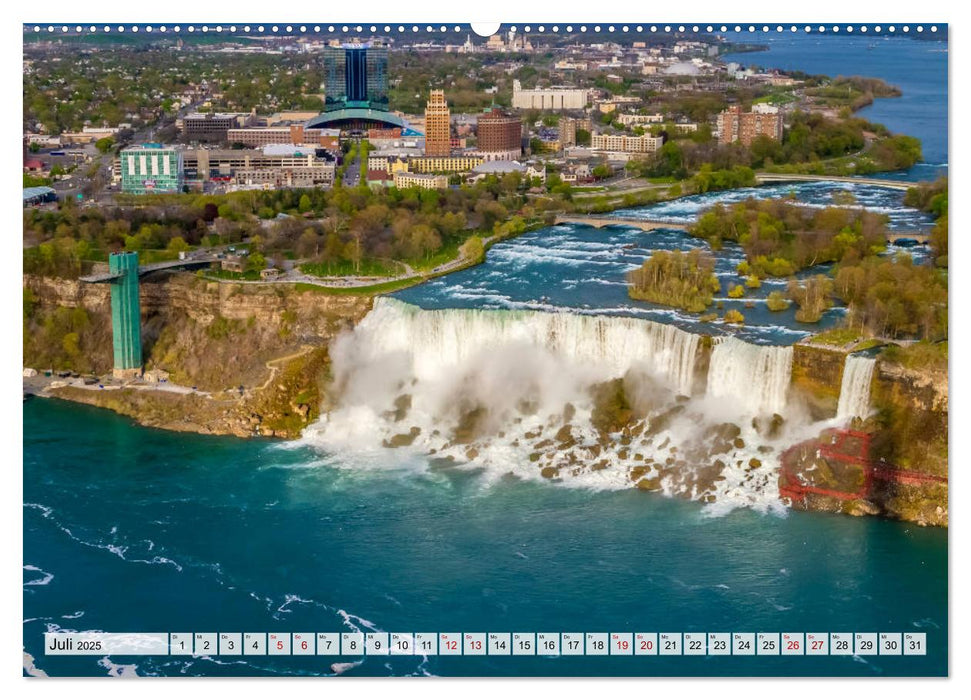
(919, 68)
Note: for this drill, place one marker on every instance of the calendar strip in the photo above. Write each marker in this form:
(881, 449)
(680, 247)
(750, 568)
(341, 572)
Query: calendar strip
(547, 644)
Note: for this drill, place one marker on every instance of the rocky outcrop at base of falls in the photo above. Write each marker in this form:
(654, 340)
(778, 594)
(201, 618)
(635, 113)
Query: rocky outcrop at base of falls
(837, 473)
(893, 462)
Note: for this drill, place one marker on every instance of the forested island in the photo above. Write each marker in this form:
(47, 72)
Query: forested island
(887, 296)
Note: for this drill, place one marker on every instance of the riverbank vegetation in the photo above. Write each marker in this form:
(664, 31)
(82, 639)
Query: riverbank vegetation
(932, 197)
(894, 298)
(853, 92)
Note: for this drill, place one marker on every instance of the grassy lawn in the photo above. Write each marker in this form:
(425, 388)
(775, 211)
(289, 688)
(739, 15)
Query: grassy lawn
(922, 355)
(836, 336)
(776, 98)
(449, 251)
(845, 338)
(345, 268)
(369, 290)
(146, 257)
(249, 275)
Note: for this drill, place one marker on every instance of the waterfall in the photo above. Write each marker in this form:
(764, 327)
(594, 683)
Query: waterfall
(608, 345)
(755, 377)
(855, 388)
(525, 392)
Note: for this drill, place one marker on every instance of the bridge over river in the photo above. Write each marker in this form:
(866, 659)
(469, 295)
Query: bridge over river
(770, 178)
(628, 221)
(655, 225)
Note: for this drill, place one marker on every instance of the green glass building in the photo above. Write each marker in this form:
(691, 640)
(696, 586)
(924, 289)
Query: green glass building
(126, 321)
(151, 168)
(355, 76)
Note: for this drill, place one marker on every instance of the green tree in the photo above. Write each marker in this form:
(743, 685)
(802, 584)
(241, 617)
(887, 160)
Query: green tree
(255, 262)
(177, 244)
(472, 249)
(104, 145)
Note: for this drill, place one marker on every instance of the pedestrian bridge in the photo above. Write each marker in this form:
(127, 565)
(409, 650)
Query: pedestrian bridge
(186, 264)
(769, 178)
(629, 221)
(921, 237)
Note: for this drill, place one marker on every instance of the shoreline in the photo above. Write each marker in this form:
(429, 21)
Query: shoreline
(381, 286)
(931, 513)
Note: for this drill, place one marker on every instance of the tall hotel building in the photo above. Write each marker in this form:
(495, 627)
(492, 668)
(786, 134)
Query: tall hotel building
(437, 125)
(356, 90)
(355, 75)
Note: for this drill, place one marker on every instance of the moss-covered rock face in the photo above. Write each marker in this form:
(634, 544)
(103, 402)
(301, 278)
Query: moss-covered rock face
(911, 425)
(816, 378)
(839, 483)
(612, 409)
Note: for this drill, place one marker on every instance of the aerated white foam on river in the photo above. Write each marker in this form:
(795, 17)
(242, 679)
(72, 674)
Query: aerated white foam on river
(599, 402)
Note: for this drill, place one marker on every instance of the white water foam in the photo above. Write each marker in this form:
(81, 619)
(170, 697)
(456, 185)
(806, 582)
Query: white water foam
(448, 338)
(518, 393)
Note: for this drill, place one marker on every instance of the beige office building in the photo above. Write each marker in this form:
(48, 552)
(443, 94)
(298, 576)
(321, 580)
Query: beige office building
(622, 143)
(553, 99)
(425, 182)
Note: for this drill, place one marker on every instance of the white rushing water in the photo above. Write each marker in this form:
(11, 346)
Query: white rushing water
(754, 377)
(854, 399)
(449, 337)
(589, 401)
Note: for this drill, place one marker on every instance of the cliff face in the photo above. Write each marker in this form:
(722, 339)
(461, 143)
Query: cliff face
(260, 349)
(895, 463)
(817, 372)
(260, 354)
(912, 410)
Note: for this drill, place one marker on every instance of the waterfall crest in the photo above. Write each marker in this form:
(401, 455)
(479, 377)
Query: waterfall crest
(609, 345)
(854, 399)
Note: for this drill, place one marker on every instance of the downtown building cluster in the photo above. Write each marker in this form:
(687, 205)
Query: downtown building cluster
(569, 124)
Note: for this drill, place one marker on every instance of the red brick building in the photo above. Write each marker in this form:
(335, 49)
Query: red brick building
(744, 127)
(499, 135)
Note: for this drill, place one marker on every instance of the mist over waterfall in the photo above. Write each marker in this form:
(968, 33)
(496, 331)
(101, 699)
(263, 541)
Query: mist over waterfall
(854, 401)
(582, 400)
(608, 345)
(755, 377)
